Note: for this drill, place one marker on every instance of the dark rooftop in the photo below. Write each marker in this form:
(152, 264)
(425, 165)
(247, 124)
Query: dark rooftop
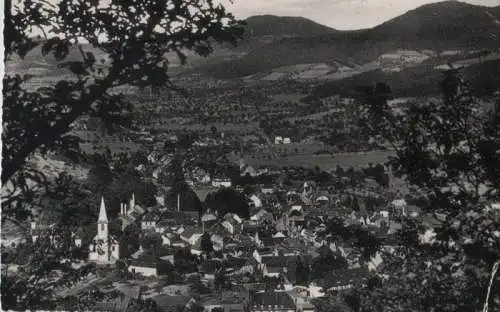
(277, 300)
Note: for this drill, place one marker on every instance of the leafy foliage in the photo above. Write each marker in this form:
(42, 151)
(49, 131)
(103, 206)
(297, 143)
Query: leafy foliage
(41, 275)
(185, 262)
(133, 38)
(448, 149)
(207, 246)
(151, 242)
(302, 272)
(354, 236)
(327, 262)
(228, 201)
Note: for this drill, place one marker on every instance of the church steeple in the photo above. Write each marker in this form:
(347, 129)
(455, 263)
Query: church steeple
(102, 222)
(103, 218)
(104, 249)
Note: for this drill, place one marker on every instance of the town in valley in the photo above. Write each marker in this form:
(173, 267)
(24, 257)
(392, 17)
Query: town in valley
(255, 183)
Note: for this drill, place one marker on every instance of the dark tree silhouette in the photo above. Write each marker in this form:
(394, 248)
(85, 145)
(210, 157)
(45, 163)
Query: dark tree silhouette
(228, 200)
(151, 242)
(448, 150)
(97, 49)
(130, 240)
(327, 262)
(101, 48)
(207, 246)
(302, 272)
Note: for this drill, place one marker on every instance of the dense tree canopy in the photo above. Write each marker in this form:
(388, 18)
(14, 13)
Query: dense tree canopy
(94, 48)
(207, 246)
(448, 149)
(151, 242)
(327, 262)
(228, 200)
(100, 47)
(302, 272)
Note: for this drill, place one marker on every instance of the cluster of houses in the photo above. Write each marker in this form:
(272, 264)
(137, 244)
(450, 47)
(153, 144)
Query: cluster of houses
(279, 234)
(282, 140)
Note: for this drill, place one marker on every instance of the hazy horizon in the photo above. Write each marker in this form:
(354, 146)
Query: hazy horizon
(338, 14)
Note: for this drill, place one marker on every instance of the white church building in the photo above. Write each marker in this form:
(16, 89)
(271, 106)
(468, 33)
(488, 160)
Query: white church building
(104, 249)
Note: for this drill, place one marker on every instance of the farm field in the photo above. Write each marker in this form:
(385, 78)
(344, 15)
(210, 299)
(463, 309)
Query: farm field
(251, 126)
(326, 162)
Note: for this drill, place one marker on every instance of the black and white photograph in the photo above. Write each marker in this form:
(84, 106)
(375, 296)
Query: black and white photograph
(250, 156)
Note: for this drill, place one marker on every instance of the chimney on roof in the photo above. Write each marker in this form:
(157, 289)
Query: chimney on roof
(132, 201)
(178, 202)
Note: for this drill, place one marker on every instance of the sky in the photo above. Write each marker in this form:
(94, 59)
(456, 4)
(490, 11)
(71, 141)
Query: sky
(339, 14)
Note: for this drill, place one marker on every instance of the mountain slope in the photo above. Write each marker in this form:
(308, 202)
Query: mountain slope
(447, 20)
(413, 82)
(286, 26)
(440, 26)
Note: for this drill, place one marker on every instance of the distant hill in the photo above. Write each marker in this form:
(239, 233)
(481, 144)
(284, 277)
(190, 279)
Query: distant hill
(447, 21)
(34, 59)
(286, 26)
(439, 26)
(413, 82)
(272, 41)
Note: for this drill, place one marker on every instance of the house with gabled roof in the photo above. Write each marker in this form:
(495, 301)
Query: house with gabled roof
(259, 253)
(275, 301)
(227, 301)
(233, 216)
(255, 201)
(308, 236)
(295, 217)
(165, 225)
(149, 263)
(149, 221)
(274, 266)
(261, 216)
(166, 239)
(143, 267)
(210, 268)
(208, 220)
(232, 226)
(279, 235)
(230, 244)
(244, 248)
(167, 301)
(77, 237)
(249, 229)
(191, 234)
(346, 279)
(221, 182)
(267, 189)
(37, 231)
(178, 242)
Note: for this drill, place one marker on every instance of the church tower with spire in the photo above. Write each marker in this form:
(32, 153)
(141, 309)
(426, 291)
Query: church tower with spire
(104, 249)
(102, 222)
